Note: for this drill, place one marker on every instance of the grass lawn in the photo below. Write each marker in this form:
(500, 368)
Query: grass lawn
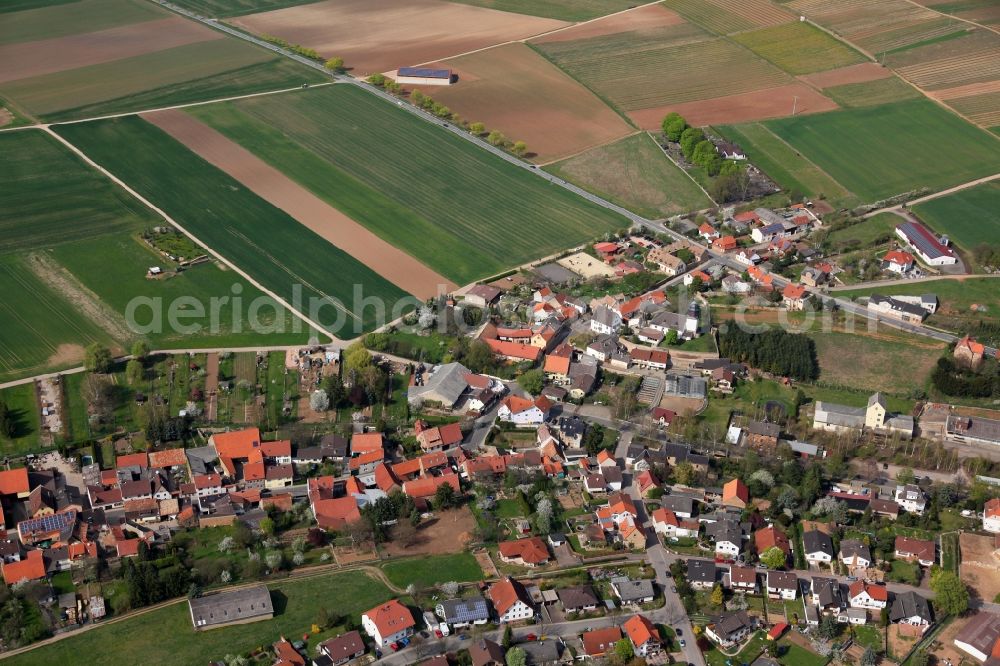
(950, 552)
(194, 72)
(969, 217)
(787, 166)
(62, 582)
(263, 240)
(796, 655)
(634, 173)
(703, 343)
(955, 299)
(165, 636)
(464, 212)
(228, 8)
(510, 508)
(869, 636)
(434, 569)
(875, 230)
(752, 650)
(563, 10)
(879, 152)
(20, 400)
(904, 572)
(799, 48)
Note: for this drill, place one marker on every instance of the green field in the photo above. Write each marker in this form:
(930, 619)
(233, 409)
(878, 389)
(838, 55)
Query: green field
(634, 173)
(267, 243)
(788, 167)
(27, 418)
(799, 48)
(879, 152)
(629, 68)
(228, 8)
(49, 196)
(464, 212)
(114, 268)
(968, 217)
(872, 93)
(865, 234)
(431, 570)
(190, 73)
(564, 10)
(955, 299)
(165, 636)
(41, 330)
(31, 20)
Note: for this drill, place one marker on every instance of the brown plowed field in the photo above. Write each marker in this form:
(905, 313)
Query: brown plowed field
(20, 61)
(967, 90)
(745, 107)
(312, 212)
(379, 35)
(513, 89)
(642, 18)
(861, 73)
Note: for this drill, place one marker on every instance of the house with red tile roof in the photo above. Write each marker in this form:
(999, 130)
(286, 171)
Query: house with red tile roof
(366, 463)
(171, 458)
(991, 516)
(725, 243)
(529, 552)
(438, 438)
(600, 642)
(524, 412)
(916, 550)
(969, 352)
(646, 482)
(864, 595)
(336, 514)
(708, 232)
(770, 537)
(366, 442)
(735, 493)
(511, 601)
(666, 522)
(388, 622)
(286, 654)
(644, 636)
(14, 482)
(556, 368)
(897, 261)
(140, 460)
(607, 251)
(31, 567)
(794, 296)
(425, 487)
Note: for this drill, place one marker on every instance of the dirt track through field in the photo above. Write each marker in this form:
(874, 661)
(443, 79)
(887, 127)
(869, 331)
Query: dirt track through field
(379, 35)
(312, 212)
(20, 61)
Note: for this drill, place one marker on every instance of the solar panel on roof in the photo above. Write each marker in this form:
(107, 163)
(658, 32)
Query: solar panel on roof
(424, 72)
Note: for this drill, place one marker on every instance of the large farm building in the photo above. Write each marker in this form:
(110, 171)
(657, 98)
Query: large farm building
(423, 76)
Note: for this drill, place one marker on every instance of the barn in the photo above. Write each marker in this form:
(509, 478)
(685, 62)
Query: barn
(423, 76)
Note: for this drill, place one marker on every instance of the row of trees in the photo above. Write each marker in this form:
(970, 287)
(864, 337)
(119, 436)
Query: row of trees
(297, 49)
(953, 379)
(776, 351)
(493, 137)
(697, 148)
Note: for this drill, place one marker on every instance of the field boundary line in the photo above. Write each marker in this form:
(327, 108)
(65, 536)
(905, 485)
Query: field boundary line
(674, 162)
(934, 195)
(818, 168)
(955, 18)
(239, 271)
(542, 165)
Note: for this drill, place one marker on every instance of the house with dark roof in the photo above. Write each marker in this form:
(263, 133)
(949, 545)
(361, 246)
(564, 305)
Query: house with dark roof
(240, 606)
(341, 649)
(729, 629)
(485, 652)
(782, 584)
(818, 547)
(701, 574)
(463, 612)
(826, 594)
(911, 611)
(854, 553)
(578, 598)
(633, 592)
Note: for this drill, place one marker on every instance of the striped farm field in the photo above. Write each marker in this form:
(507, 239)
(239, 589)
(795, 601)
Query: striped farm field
(872, 93)
(29, 22)
(799, 48)
(876, 25)
(975, 58)
(633, 74)
(728, 16)
(785, 165)
(464, 212)
(266, 242)
(563, 10)
(969, 217)
(984, 12)
(984, 109)
(879, 152)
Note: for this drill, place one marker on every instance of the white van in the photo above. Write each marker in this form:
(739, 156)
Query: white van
(443, 628)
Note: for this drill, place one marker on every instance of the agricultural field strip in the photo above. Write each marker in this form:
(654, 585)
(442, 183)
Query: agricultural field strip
(279, 190)
(246, 276)
(730, 16)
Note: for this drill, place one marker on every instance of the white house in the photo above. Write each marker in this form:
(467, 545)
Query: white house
(605, 321)
(897, 261)
(991, 516)
(782, 584)
(853, 553)
(871, 597)
(523, 412)
(911, 498)
(818, 547)
(511, 601)
(388, 623)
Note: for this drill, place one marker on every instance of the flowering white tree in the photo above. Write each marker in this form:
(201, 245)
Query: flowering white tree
(319, 401)
(273, 559)
(226, 544)
(763, 477)
(225, 576)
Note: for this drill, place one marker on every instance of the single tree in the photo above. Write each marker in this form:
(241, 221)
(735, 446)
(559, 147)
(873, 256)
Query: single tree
(508, 637)
(623, 650)
(496, 138)
(335, 64)
(773, 558)
(140, 349)
(133, 372)
(444, 497)
(869, 657)
(267, 526)
(319, 401)
(516, 657)
(532, 381)
(951, 596)
(520, 148)
(718, 596)
(97, 358)
(477, 128)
